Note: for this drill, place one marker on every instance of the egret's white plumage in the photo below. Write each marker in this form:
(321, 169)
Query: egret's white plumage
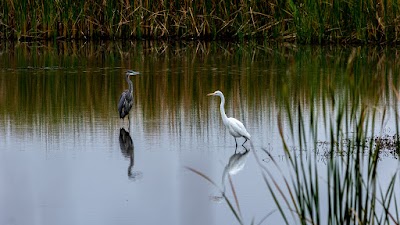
(234, 126)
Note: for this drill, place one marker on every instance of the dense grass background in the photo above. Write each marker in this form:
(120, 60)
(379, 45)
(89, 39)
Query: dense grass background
(305, 21)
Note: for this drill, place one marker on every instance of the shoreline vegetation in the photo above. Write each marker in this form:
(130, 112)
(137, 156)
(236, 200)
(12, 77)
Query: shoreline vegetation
(305, 22)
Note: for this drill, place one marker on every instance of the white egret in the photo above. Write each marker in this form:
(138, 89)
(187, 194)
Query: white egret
(234, 126)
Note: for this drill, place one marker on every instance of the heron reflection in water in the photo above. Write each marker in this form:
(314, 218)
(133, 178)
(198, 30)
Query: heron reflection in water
(126, 100)
(127, 150)
(235, 164)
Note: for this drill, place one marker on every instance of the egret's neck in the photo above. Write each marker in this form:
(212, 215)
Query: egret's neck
(222, 109)
(130, 84)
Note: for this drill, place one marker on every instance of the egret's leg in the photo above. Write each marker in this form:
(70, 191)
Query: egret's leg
(244, 141)
(235, 142)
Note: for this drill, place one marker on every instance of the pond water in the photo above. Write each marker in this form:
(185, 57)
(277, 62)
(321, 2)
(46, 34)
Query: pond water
(67, 158)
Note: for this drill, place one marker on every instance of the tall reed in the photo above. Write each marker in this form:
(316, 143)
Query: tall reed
(306, 21)
(350, 183)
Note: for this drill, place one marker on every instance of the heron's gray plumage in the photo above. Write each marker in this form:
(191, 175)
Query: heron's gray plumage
(125, 103)
(126, 100)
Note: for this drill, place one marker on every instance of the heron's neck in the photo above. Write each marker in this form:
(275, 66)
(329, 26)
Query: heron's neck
(222, 109)
(130, 84)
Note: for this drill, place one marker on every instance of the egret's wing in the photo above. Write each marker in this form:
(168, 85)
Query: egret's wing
(239, 127)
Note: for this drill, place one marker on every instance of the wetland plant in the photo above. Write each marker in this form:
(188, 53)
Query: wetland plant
(308, 21)
(348, 190)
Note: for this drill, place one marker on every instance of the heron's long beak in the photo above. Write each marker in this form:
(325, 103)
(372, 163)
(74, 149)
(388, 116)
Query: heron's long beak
(211, 94)
(134, 73)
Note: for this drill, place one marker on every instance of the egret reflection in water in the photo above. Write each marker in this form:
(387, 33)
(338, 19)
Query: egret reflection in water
(127, 150)
(235, 164)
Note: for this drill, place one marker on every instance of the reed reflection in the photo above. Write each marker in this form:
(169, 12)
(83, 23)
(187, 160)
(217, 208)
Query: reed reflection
(127, 150)
(255, 78)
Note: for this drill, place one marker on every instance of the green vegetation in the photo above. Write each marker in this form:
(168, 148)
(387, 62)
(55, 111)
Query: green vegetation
(307, 21)
(348, 191)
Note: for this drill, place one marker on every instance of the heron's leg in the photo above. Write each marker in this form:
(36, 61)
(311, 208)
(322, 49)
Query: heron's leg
(235, 142)
(131, 162)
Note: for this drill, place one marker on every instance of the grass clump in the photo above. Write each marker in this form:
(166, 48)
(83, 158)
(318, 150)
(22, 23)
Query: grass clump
(307, 21)
(348, 190)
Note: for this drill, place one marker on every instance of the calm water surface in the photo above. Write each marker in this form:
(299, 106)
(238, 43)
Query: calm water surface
(67, 158)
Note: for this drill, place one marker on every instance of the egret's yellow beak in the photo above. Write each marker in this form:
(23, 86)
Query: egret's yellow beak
(211, 94)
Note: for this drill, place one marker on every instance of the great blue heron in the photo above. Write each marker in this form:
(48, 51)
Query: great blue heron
(234, 126)
(126, 99)
(127, 150)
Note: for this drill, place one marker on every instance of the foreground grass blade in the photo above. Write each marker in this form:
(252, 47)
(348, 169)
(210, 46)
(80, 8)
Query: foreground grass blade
(235, 213)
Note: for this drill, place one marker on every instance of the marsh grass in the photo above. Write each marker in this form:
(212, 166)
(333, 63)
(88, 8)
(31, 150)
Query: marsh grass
(350, 184)
(308, 21)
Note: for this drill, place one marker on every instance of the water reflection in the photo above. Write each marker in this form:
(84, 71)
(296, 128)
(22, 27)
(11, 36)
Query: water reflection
(60, 100)
(235, 164)
(127, 150)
